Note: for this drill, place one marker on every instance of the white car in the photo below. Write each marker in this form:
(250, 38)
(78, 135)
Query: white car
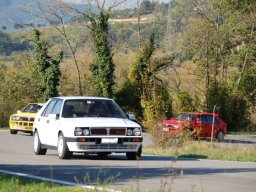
(87, 125)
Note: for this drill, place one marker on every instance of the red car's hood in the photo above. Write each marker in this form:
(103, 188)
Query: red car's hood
(171, 121)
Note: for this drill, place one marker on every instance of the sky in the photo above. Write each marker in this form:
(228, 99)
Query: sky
(127, 4)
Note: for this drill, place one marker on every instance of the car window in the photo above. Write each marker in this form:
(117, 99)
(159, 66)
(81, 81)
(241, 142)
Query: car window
(57, 107)
(203, 119)
(32, 108)
(49, 108)
(91, 108)
(210, 119)
(185, 116)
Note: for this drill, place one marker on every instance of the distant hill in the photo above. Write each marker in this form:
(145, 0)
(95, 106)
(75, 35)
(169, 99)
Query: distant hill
(11, 12)
(18, 11)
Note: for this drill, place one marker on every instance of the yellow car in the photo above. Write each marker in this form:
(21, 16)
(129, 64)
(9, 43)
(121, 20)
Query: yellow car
(23, 120)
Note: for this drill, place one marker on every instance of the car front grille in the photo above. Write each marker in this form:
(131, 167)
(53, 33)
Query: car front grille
(31, 119)
(108, 131)
(108, 146)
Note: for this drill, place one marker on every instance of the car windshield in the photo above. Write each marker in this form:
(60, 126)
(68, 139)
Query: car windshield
(91, 108)
(32, 108)
(185, 116)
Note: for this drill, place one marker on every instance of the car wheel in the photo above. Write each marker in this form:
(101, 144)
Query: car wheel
(220, 135)
(134, 155)
(13, 132)
(62, 148)
(38, 146)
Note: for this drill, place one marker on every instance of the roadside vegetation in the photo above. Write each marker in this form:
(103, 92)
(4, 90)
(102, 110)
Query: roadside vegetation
(204, 150)
(188, 56)
(12, 183)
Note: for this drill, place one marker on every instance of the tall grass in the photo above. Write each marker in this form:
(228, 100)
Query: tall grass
(205, 150)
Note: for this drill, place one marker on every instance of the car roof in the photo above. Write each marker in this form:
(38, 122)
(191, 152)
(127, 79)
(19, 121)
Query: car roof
(41, 104)
(81, 97)
(202, 113)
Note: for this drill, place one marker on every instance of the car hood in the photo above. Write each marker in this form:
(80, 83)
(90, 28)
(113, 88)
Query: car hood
(171, 121)
(99, 122)
(24, 114)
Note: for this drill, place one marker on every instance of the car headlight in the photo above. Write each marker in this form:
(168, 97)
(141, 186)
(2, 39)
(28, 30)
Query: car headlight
(86, 132)
(175, 126)
(78, 131)
(15, 118)
(129, 132)
(136, 131)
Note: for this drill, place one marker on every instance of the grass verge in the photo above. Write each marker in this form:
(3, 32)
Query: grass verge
(205, 150)
(13, 183)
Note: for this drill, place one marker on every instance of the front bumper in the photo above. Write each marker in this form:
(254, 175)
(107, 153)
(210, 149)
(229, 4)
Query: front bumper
(95, 144)
(21, 126)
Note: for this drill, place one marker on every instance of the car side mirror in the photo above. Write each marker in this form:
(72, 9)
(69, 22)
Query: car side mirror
(131, 117)
(53, 116)
(19, 111)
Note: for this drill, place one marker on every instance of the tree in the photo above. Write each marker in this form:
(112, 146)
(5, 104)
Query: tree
(55, 13)
(4, 27)
(48, 67)
(153, 93)
(103, 67)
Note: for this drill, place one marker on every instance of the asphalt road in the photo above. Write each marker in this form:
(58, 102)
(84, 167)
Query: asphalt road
(151, 173)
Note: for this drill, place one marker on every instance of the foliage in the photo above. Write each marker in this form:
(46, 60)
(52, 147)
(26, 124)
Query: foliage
(18, 86)
(231, 106)
(103, 67)
(10, 183)
(205, 52)
(184, 102)
(48, 67)
(154, 97)
(128, 98)
(7, 45)
(204, 150)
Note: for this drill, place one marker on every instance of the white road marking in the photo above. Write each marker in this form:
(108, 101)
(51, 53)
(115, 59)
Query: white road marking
(57, 181)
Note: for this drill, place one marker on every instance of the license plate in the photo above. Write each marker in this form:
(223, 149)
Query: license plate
(109, 140)
(165, 129)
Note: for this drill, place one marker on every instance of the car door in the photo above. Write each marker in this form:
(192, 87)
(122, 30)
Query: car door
(211, 125)
(42, 122)
(203, 125)
(53, 122)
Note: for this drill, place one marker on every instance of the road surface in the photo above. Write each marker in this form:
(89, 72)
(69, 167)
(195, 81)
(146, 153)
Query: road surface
(151, 173)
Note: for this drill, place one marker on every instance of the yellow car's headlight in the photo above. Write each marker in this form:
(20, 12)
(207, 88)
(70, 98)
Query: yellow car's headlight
(15, 118)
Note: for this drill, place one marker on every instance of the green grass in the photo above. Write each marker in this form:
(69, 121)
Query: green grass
(205, 150)
(19, 184)
(242, 133)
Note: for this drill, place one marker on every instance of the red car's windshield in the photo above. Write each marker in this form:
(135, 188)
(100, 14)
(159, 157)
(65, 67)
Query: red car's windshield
(185, 116)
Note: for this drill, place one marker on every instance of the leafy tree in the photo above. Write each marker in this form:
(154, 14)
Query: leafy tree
(153, 93)
(48, 67)
(18, 86)
(103, 67)
(146, 7)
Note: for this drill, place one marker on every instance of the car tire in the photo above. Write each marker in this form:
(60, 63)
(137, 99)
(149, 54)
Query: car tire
(134, 155)
(62, 148)
(220, 136)
(13, 132)
(38, 146)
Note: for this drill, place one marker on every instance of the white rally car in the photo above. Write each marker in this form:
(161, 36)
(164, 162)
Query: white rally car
(87, 125)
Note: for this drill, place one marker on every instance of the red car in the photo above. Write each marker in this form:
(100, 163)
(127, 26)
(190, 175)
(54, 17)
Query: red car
(200, 124)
